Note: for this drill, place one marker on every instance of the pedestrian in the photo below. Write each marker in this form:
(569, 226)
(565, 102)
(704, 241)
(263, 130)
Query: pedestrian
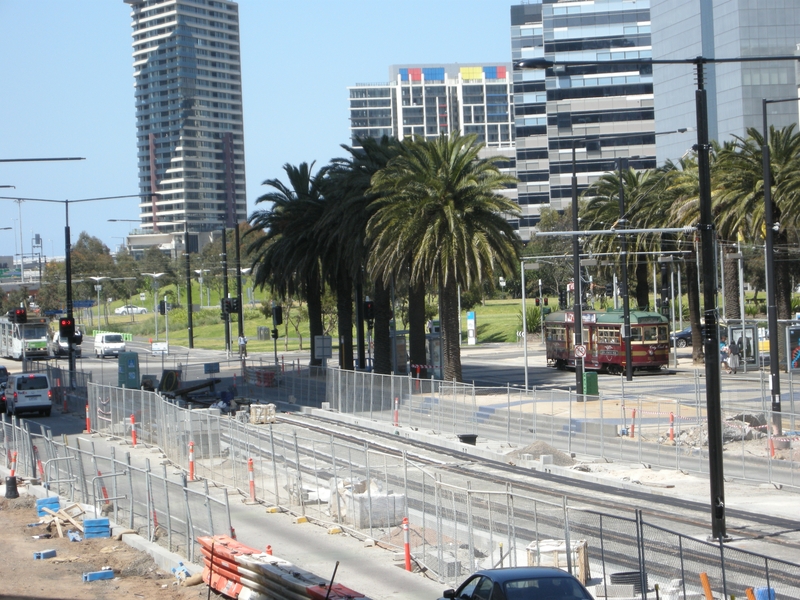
(723, 353)
(242, 347)
(733, 358)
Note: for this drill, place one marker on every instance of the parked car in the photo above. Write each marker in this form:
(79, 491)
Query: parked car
(2, 397)
(3, 374)
(28, 392)
(130, 309)
(683, 338)
(520, 583)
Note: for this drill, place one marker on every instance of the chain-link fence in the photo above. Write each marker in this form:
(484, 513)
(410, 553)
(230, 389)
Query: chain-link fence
(159, 506)
(455, 527)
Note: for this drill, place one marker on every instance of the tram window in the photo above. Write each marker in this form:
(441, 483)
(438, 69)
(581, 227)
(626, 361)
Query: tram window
(557, 334)
(607, 335)
(636, 334)
(662, 334)
(650, 333)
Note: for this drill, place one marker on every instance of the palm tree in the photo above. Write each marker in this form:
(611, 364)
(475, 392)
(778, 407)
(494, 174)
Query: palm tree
(287, 258)
(644, 208)
(350, 198)
(682, 189)
(739, 197)
(441, 207)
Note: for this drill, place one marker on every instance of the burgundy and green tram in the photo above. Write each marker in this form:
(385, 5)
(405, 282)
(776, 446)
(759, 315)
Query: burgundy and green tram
(602, 338)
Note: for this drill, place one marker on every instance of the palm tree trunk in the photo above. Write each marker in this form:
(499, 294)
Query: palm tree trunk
(416, 326)
(344, 306)
(448, 320)
(732, 304)
(383, 313)
(693, 295)
(642, 287)
(314, 303)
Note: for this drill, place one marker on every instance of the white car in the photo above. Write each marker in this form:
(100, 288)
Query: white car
(129, 309)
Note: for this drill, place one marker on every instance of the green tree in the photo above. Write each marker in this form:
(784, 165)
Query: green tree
(287, 258)
(739, 198)
(440, 205)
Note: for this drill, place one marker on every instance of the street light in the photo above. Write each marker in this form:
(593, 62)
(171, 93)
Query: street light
(706, 226)
(97, 288)
(155, 277)
(772, 310)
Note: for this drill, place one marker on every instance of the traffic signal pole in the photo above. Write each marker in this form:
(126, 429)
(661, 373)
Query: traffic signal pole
(225, 317)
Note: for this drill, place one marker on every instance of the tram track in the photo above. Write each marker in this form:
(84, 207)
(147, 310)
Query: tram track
(691, 515)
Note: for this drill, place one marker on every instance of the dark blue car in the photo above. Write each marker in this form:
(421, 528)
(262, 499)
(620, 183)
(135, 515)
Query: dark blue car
(520, 583)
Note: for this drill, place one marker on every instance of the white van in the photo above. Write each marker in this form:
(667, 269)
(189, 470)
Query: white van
(108, 344)
(28, 392)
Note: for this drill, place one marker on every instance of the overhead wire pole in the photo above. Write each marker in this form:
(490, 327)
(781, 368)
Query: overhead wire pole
(240, 308)
(626, 305)
(189, 284)
(226, 319)
(576, 270)
(772, 309)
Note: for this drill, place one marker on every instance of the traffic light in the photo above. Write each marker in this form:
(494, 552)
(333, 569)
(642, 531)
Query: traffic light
(369, 310)
(609, 289)
(277, 316)
(537, 302)
(20, 316)
(66, 328)
(234, 305)
(274, 334)
(162, 307)
(545, 300)
(562, 298)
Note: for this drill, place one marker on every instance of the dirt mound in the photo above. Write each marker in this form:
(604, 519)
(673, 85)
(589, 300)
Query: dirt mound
(535, 450)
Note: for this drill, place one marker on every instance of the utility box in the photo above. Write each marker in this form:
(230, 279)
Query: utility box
(128, 370)
(590, 387)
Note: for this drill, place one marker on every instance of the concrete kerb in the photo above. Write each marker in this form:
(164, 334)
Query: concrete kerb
(165, 559)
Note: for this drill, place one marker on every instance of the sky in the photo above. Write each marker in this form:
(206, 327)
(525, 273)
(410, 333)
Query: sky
(66, 90)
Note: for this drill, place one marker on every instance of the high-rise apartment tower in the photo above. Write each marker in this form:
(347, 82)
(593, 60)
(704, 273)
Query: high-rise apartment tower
(189, 125)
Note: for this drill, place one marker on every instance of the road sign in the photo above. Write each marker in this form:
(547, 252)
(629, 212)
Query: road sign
(580, 351)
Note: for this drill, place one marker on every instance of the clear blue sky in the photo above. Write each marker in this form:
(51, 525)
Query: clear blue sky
(67, 90)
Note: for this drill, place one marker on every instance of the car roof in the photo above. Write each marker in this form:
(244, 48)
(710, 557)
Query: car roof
(513, 573)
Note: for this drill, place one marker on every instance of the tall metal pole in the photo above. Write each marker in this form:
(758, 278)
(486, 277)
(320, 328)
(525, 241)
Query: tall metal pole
(68, 274)
(711, 334)
(189, 285)
(576, 273)
(225, 316)
(524, 323)
(626, 304)
(772, 309)
(239, 312)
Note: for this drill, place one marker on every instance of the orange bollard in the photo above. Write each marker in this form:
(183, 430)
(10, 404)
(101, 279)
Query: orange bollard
(233, 533)
(406, 544)
(13, 463)
(396, 411)
(269, 550)
(771, 448)
(633, 423)
(88, 421)
(133, 430)
(671, 427)
(104, 490)
(251, 476)
(191, 461)
(38, 462)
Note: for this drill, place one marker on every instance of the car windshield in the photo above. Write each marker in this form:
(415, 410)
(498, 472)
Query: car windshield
(114, 339)
(32, 383)
(544, 587)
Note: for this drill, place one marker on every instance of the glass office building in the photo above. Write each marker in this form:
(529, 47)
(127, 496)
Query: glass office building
(723, 29)
(602, 110)
(431, 100)
(188, 90)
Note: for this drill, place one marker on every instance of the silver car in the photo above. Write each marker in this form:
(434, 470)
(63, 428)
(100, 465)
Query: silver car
(130, 309)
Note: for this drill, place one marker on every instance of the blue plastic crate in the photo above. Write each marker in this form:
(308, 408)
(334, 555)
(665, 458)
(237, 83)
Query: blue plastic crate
(50, 503)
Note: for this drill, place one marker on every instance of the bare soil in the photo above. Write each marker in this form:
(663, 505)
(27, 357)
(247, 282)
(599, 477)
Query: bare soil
(136, 574)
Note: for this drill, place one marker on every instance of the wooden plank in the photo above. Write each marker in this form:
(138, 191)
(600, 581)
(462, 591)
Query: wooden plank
(750, 594)
(706, 586)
